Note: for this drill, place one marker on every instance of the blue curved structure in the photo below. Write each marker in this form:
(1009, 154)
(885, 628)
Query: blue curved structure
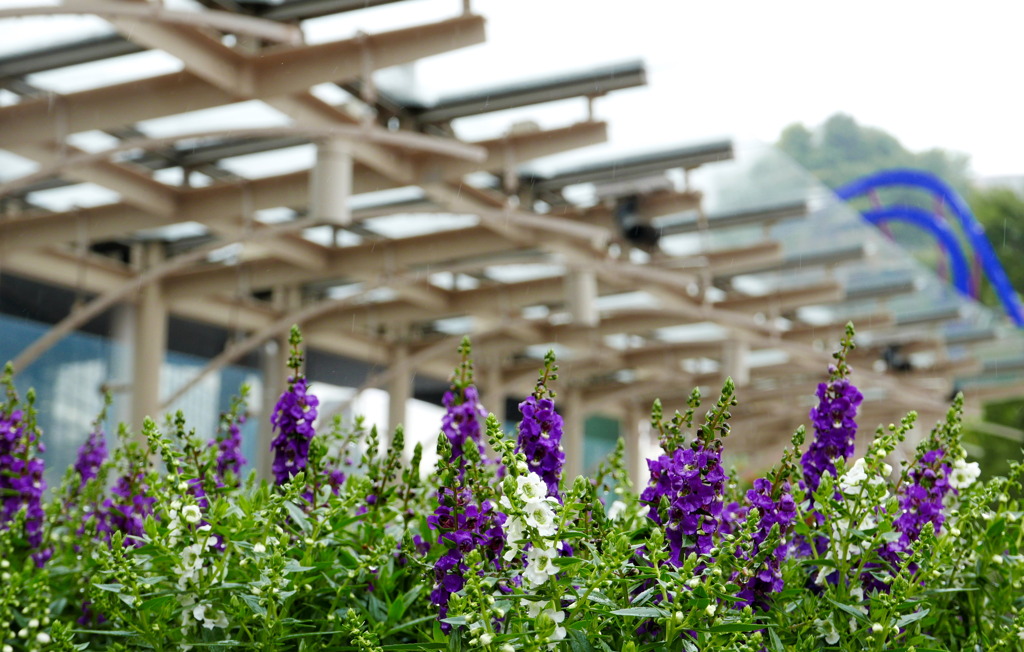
(960, 271)
(972, 229)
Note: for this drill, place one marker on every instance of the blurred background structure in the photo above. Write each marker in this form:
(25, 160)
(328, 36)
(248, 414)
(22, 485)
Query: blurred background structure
(181, 182)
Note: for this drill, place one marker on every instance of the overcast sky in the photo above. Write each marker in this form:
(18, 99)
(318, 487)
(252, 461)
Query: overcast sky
(935, 74)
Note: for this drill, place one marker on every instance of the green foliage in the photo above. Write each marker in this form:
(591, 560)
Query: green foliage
(841, 150)
(300, 567)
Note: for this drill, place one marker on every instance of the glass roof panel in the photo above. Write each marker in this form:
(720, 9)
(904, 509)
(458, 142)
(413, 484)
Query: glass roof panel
(241, 115)
(106, 72)
(93, 141)
(412, 224)
(80, 195)
(13, 166)
(39, 32)
(273, 163)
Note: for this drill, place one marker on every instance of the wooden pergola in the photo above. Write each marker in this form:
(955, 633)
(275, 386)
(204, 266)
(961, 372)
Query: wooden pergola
(399, 301)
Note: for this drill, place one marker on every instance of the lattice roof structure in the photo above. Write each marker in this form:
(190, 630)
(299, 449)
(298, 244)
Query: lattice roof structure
(248, 180)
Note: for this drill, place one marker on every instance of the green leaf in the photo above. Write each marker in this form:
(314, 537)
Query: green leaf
(395, 611)
(297, 515)
(911, 618)
(737, 627)
(578, 641)
(293, 566)
(996, 529)
(853, 611)
(155, 603)
(254, 604)
(113, 588)
(455, 620)
(409, 624)
(640, 612)
(149, 581)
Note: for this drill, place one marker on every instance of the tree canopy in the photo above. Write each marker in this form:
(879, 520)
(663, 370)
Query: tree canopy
(841, 150)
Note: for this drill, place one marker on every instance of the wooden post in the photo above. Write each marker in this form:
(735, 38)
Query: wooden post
(331, 181)
(400, 387)
(581, 296)
(149, 341)
(630, 433)
(572, 435)
(734, 361)
(274, 366)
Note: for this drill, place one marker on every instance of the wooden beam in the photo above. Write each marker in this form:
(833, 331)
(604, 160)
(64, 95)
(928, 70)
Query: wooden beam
(277, 72)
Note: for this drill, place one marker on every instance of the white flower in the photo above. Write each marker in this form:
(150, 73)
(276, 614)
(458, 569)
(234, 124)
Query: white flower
(191, 514)
(541, 516)
(539, 566)
(827, 629)
(43, 638)
(616, 510)
(556, 616)
(7, 648)
(486, 638)
(711, 609)
(514, 528)
(856, 476)
(877, 628)
(191, 566)
(207, 617)
(259, 548)
(963, 474)
(531, 487)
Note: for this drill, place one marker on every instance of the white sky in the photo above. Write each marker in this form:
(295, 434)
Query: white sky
(935, 74)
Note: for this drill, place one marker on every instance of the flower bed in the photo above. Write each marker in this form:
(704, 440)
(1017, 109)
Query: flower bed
(163, 545)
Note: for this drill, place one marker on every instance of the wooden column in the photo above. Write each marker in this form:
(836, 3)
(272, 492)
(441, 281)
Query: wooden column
(630, 433)
(734, 361)
(331, 182)
(581, 297)
(149, 340)
(274, 367)
(493, 392)
(400, 387)
(572, 434)
(273, 364)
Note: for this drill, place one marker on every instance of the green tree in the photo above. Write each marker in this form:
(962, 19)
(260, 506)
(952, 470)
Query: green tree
(841, 150)
(1001, 212)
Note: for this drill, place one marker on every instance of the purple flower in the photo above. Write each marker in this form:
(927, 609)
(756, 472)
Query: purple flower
(777, 511)
(91, 456)
(835, 426)
(921, 505)
(692, 480)
(229, 450)
(126, 512)
(461, 422)
(733, 514)
(540, 440)
(462, 526)
(293, 419)
(21, 475)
